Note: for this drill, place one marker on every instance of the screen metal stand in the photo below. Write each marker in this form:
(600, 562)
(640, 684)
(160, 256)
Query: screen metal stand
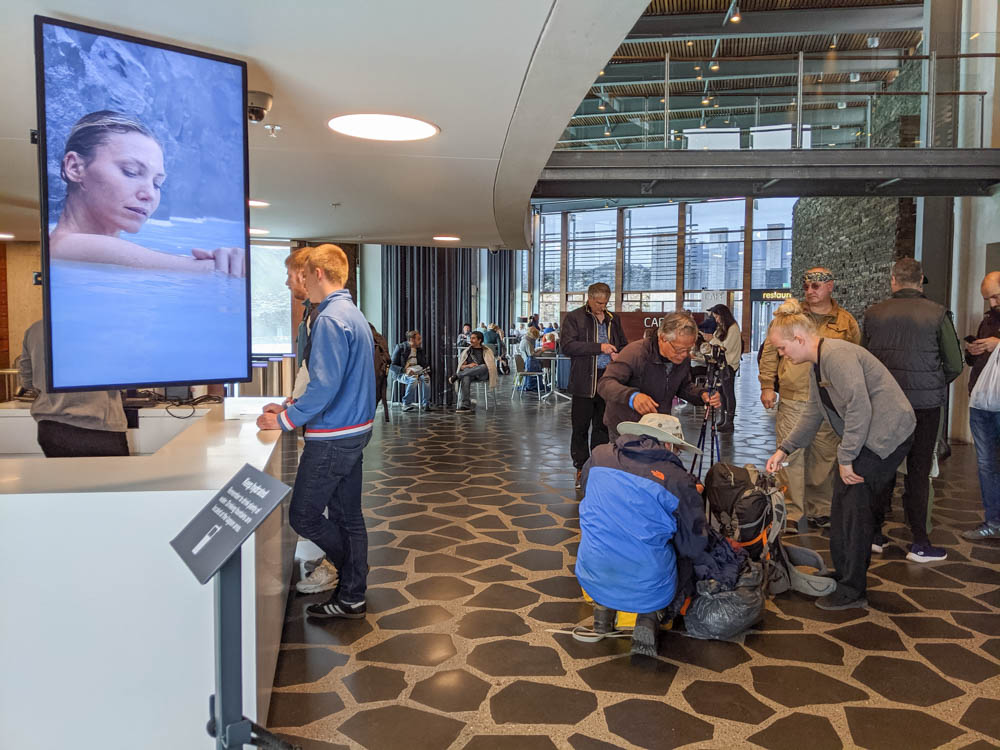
(227, 724)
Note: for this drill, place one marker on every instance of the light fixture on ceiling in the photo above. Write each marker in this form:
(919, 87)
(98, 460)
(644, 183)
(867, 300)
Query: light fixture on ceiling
(873, 42)
(973, 36)
(854, 77)
(705, 100)
(835, 127)
(833, 44)
(600, 73)
(697, 67)
(257, 232)
(841, 105)
(272, 130)
(690, 43)
(716, 105)
(446, 238)
(607, 131)
(600, 105)
(736, 17)
(6, 236)
(698, 77)
(663, 101)
(703, 124)
(257, 204)
(378, 127)
(713, 65)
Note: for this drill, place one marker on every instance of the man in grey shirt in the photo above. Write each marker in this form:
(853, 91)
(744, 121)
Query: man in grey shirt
(861, 400)
(73, 423)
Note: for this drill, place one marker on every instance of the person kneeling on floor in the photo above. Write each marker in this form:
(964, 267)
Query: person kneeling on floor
(641, 519)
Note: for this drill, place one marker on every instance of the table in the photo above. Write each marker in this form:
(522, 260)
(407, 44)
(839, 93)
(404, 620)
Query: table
(550, 363)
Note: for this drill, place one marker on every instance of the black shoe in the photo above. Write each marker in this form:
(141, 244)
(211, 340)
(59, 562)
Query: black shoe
(725, 427)
(409, 407)
(579, 484)
(452, 379)
(841, 599)
(335, 608)
(644, 634)
(429, 407)
(604, 619)
(463, 408)
(822, 522)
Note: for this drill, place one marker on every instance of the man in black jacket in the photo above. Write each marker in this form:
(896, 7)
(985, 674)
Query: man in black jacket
(411, 366)
(916, 341)
(592, 338)
(647, 375)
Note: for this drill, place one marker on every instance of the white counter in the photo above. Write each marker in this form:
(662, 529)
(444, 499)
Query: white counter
(104, 633)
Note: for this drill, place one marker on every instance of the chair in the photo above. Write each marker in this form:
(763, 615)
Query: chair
(520, 376)
(483, 386)
(397, 388)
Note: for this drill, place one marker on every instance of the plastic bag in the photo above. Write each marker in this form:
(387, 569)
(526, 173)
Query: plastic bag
(724, 614)
(986, 394)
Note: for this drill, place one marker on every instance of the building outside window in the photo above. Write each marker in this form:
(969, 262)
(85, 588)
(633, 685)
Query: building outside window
(713, 257)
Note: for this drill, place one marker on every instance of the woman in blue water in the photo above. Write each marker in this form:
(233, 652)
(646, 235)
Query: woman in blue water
(113, 169)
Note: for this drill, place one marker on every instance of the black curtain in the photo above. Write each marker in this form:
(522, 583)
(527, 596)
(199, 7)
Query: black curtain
(500, 281)
(429, 289)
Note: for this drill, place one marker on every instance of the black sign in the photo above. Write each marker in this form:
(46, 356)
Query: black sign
(221, 527)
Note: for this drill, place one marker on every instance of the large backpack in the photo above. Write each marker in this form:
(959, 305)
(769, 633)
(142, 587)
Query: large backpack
(740, 505)
(383, 359)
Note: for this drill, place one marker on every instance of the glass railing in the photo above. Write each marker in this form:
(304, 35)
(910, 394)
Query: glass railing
(867, 98)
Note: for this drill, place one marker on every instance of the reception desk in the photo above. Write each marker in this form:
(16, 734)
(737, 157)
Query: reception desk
(106, 639)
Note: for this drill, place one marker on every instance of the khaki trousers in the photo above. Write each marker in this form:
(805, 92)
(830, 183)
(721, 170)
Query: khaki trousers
(809, 474)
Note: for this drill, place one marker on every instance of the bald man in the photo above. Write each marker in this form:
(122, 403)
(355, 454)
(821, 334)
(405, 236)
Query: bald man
(809, 474)
(986, 424)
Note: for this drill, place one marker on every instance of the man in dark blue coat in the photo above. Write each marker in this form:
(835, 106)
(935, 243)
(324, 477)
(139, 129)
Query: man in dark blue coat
(641, 519)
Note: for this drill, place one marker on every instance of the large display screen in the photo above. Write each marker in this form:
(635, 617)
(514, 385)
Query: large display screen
(143, 165)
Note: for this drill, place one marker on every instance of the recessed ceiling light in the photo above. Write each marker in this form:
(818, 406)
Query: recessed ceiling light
(607, 132)
(601, 73)
(258, 204)
(713, 66)
(6, 236)
(704, 100)
(383, 127)
(690, 43)
(697, 67)
(446, 238)
(256, 231)
(698, 77)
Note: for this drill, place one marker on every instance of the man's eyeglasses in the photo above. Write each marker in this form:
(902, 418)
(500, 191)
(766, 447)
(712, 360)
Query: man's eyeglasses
(815, 285)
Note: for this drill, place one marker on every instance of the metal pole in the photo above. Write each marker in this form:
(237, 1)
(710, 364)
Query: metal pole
(931, 100)
(231, 729)
(798, 101)
(868, 123)
(666, 100)
(756, 112)
(982, 115)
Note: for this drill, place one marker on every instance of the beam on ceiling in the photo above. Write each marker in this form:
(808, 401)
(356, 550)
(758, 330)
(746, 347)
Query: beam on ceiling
(779, 23)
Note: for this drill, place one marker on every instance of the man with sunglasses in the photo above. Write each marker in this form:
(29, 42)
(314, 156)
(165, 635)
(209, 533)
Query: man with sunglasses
(809, 474)
(648, 374)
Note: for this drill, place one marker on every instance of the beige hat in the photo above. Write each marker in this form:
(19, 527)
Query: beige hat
(663, 427)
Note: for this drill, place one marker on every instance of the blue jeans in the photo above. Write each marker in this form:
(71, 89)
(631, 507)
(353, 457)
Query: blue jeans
(329, 478)
(411, 388)
(986, 435)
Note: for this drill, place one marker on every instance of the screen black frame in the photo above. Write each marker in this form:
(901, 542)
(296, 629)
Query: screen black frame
(43, 184)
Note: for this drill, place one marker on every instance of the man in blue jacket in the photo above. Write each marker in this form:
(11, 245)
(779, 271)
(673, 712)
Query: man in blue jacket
(641, 511)
(337, 411)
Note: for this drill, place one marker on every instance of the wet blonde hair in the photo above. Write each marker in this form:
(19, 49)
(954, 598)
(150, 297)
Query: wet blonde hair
(790, 319)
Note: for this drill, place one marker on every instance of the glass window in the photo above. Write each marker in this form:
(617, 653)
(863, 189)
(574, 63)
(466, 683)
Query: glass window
(591, 249)
(270, 301)
(650, 248)
(548, 308)
(772, 243)
(713, 256)
(549, 251)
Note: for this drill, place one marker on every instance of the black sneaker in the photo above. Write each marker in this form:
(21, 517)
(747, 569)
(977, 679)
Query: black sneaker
(840, 599)
(822, 522)
(879, 543)
(335, 608)
(924, 552)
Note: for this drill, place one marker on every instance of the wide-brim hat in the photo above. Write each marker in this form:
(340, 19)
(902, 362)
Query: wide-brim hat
(663, 427)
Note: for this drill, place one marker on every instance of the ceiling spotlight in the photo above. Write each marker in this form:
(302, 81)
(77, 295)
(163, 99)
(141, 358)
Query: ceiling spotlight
(973, 36)
(736, 17)
(258, 204)
(703, 124)
(855, 77)
(6, 236)
(446, 238)
(841, 105)
(698, 77)
(716, 105)
(600, 73)
(872, 42)
(697, 67)
(256, 231)
(383, 127)
(600, 105)
(690, 43)
(833, 44)
(835, 127)
(714, 65)
(705, 100)
(663, 101)
(607, 131)
(272, 130)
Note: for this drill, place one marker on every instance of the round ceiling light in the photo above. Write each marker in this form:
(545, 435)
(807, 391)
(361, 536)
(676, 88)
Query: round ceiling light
(257, 204)
(446, 238)
(383, 127)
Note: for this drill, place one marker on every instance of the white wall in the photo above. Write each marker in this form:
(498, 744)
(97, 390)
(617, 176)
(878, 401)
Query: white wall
(977, 220)
(370, 284)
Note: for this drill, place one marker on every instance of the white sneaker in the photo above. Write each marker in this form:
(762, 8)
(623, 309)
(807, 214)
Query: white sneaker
(323, 578)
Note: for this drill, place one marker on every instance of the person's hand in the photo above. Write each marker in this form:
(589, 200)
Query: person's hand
(983, 346)
(228, 260)
(714, 400)
(644, 404)
(775, 461)
(273, 409)
(848, 476)
(768, 397)
(268, 421)
(614, 357)
(609, 349)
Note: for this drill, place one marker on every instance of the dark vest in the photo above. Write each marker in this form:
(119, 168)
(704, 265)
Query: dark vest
(902, 332)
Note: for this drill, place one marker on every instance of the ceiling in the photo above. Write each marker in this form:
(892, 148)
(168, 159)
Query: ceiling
(500, 79)
(755, 83)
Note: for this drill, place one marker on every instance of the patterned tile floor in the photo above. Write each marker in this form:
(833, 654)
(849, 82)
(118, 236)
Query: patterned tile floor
(473, 528)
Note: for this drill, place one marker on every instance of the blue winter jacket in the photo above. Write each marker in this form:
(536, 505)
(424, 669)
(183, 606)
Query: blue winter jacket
(339, 401)
(641, 509)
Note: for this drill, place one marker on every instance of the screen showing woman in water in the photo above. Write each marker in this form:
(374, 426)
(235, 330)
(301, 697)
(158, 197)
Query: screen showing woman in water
(145, 211)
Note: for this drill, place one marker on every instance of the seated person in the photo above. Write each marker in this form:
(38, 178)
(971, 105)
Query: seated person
(476, 363)
(409, 365)
(642, 525)
(493, 338)
(463, 337)
(526, 348)
(549, 342)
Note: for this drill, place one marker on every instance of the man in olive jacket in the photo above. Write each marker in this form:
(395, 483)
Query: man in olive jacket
(648, 374)
(592, 337)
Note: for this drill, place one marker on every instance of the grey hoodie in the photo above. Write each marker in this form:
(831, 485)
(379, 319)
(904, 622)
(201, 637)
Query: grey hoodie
(871, 410)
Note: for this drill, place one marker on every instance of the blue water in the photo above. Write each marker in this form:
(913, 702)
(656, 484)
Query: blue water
(114, 325)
